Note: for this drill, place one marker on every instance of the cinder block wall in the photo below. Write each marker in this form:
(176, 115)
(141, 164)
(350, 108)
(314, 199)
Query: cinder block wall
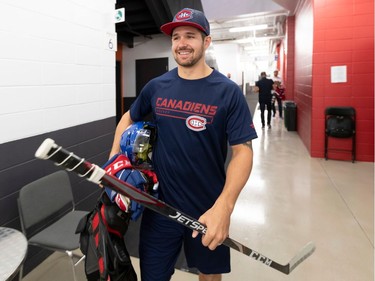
(57, 80)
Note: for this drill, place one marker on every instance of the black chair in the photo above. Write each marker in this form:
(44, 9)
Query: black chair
(48, 216)
(340, 123)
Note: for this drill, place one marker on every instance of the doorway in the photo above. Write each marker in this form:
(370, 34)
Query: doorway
(147, 69)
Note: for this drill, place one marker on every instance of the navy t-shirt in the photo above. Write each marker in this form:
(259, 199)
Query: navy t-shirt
(195, 119)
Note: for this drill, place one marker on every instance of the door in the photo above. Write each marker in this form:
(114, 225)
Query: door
(146, 69)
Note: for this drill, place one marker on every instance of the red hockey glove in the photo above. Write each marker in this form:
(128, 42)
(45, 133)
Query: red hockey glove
(152, 182)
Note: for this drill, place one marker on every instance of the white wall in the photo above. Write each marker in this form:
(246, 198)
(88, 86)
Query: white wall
(158, 47)
(56, 70)
(231, 58)
(228, 60)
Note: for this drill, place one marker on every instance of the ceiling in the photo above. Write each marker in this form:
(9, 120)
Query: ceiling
(143, 18)
(264, 20)
(262, 32)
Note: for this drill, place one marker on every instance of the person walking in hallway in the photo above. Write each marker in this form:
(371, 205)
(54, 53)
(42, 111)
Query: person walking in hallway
(264, 87)
(278, 93)
(197, 112)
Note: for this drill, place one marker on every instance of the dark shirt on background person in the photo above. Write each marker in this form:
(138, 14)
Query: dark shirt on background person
(265, 86)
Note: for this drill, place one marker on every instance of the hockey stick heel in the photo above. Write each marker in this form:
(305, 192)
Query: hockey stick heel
(71, 162)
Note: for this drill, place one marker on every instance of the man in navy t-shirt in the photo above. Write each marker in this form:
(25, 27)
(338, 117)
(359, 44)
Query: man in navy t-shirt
(197, 111)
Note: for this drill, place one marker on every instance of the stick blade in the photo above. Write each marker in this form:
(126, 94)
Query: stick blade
(305, 252)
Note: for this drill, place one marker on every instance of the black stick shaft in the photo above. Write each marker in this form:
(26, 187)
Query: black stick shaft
(71, 162)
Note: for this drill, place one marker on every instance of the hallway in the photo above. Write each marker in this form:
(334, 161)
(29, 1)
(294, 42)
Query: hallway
(289, 200)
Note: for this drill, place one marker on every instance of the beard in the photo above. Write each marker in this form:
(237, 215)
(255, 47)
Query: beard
(193, 57)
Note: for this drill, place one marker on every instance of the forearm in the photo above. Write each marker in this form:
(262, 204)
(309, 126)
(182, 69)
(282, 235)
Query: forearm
(217, 218)
(121, 126)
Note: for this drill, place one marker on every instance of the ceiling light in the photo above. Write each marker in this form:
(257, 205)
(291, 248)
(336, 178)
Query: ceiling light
(248, 28)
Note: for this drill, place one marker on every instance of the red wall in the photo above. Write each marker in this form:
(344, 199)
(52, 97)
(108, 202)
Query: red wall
(289, 61)
(344, 35)
(328, 33)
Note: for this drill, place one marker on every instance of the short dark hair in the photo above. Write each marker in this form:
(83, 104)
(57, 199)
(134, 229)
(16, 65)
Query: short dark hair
(203, 34)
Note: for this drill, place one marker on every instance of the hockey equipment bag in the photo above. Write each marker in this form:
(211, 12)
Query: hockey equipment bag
(102, 242)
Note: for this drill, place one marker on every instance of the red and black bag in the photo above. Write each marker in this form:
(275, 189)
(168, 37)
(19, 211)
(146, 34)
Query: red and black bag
(102, 234)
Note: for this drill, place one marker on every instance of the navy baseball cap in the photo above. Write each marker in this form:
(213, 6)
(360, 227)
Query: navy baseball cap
(187, 17)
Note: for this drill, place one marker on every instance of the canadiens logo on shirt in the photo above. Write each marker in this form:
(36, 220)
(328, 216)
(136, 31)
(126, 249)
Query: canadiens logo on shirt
(196, 123)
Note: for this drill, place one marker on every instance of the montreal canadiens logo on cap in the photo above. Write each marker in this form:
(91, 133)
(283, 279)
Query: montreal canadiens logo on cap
(196, 123)
(184, 15)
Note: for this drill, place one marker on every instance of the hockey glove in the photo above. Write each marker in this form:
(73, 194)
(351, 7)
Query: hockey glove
(120, 166)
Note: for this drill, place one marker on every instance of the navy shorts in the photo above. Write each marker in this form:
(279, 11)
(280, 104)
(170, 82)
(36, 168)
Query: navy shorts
(160, 243)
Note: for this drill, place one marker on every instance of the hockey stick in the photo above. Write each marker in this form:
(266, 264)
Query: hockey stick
(50, 150)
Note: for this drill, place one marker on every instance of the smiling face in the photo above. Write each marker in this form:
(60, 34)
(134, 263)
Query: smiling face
(189, 46)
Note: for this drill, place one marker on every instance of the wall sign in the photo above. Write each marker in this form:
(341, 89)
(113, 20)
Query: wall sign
(338, 74)
(111, 41)
(120, 15)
